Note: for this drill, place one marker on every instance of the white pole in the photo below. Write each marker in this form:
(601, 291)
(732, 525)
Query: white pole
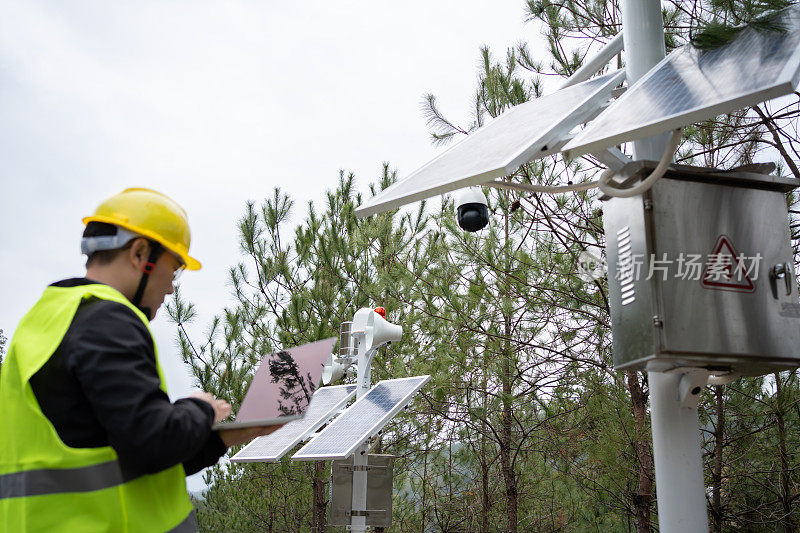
(643, 33)
(364, 368)
(358, 520)
(676, 433)
(676, 450)
(592, 65)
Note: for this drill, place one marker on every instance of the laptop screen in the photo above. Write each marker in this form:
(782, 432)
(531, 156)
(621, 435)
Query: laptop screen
(285, 381)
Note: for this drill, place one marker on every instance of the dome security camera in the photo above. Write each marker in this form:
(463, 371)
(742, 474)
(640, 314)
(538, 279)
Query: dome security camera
(472, 209)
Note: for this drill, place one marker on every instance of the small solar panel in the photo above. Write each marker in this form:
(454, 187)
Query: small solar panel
(270, 448)
(524, 132)
(691, 85)
(362, 420)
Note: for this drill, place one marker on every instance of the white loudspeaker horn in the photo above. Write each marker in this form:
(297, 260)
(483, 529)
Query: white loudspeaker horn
(333, 370)
(381, 332)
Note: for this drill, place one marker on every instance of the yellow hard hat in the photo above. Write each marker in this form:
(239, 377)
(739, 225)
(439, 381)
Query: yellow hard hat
(152, 215)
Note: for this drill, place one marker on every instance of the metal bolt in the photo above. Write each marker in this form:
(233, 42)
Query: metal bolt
(648, 205)
(657, 321)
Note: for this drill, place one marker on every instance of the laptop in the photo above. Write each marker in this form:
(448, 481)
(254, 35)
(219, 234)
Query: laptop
(282, 386)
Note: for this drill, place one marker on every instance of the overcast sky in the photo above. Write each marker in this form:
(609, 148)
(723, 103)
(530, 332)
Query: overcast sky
(214, 103)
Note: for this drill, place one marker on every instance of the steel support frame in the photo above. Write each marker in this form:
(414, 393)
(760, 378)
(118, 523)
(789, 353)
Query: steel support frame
(358, 520)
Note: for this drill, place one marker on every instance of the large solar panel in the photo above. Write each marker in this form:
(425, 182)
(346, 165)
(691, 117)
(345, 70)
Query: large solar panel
(362, 420)
(325, 403)
(524, 132)
(692, 85)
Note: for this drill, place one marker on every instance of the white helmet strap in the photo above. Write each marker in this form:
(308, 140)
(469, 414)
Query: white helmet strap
(90, 245)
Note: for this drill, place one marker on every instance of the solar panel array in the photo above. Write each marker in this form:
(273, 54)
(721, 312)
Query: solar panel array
(524, 132)
(362, 420)
(692, 85)
(325, 403)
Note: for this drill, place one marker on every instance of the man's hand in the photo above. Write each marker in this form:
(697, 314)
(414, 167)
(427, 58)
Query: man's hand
(222, 409)
(234, 437)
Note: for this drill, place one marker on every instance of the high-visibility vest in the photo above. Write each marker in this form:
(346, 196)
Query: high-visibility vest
(46, 485)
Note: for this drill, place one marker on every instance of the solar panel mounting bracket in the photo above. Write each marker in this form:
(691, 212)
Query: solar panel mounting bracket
(363, 468)
(612, 158)
(597, 62)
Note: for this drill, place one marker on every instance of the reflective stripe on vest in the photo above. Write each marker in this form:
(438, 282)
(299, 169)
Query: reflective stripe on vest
(54, 481)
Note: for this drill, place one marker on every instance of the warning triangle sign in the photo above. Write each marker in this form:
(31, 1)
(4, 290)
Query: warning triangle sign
(725, 269)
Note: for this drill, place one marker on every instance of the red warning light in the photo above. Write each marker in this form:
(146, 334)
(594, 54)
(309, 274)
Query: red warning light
(381, 311)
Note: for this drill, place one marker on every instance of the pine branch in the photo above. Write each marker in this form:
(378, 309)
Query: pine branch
(443, 129)
(716, 33)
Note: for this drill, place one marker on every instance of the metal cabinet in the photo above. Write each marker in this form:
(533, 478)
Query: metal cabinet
(380, 474)
(701, 274)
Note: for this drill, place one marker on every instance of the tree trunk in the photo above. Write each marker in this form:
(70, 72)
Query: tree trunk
(509, 476)
(786, 498)
(320, 504)
(485, 504)
(719, 439)
(643, 499)
(424, 517)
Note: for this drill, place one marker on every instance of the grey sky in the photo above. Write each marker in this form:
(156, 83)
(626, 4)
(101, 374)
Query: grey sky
(213, 103)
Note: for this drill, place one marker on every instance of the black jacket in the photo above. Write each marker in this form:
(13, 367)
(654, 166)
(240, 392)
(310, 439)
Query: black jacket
(101, 387)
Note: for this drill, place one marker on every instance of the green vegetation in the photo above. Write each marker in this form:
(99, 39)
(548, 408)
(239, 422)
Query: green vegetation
(525, 425)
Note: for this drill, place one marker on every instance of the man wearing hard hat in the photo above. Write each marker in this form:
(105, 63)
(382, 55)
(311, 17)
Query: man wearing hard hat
(89, 440)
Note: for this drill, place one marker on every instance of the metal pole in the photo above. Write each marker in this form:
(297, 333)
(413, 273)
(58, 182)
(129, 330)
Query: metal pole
(676, 451)
(592, 65)
(643, 33)
(358, 520)
(676, 434)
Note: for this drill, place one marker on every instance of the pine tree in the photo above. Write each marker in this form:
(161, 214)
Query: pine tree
(525, 425)
(289, 291)
(725, 142)
(564, 318)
